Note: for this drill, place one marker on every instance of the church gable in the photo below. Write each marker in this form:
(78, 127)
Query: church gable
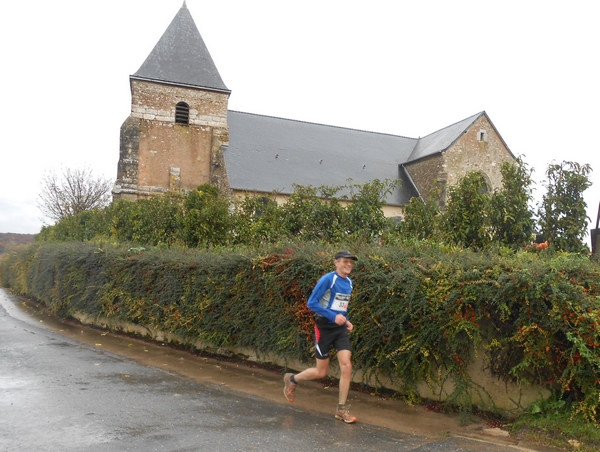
(480, 148)
(439, 141)
(475, 145)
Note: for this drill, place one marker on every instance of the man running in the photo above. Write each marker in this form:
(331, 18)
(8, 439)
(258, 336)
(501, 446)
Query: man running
(329, 301)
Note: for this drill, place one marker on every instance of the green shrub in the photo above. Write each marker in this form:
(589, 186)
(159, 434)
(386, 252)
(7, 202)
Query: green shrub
(562, 214)
(419, 311)
(206, 220)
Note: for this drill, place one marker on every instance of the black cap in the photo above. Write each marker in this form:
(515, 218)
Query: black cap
(345, 253)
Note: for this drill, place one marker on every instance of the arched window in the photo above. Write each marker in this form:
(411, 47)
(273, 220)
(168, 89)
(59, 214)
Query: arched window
(182, 113)
(487, 183)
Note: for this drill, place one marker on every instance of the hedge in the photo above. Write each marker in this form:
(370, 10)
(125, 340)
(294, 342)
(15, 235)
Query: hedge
(419, 310)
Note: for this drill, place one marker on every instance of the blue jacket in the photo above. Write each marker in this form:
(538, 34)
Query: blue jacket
(331, 296)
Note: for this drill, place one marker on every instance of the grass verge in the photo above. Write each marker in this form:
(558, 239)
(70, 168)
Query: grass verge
(557, 429)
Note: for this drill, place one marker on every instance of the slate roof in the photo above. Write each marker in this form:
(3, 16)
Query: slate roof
(180, 57)
(267, 154)
(441, 140)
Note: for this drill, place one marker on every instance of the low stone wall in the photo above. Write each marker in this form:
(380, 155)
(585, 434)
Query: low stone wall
(491, 394)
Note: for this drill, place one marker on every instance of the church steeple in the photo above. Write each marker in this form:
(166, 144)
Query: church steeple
(181, 58)
(174, 137)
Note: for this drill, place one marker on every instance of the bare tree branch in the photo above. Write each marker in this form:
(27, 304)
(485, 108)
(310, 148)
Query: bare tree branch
(73, 191)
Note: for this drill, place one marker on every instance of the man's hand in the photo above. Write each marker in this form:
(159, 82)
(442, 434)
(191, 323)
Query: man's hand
(340, 319)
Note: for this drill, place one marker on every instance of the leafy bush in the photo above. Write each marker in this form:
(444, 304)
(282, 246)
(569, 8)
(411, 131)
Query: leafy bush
(206, 219)
(471, 217)
(511, 218)
(420, 221)
(202, 218)
(83, 226)
(257, 220)
(563, 217)
(419, 311)
(313, 214)
(465, 218)
(153, 221)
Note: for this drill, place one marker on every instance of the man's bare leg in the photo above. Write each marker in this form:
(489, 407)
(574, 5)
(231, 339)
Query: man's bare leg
(343, 411)
(314, 373)
(344, 360)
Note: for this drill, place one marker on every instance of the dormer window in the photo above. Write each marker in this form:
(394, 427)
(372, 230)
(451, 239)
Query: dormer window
(182, 113)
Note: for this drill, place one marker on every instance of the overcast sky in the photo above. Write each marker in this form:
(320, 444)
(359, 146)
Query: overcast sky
(400, 67)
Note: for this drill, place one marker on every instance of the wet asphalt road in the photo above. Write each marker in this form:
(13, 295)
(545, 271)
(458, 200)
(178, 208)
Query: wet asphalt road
(58, 394)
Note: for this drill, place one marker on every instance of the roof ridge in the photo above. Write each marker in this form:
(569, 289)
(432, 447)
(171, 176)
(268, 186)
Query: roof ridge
(475, 116)
(324, 125)
(431, 144)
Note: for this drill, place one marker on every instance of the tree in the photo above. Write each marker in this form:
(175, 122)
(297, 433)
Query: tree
(156, 220)
(80, 227)
(257, 220)
(364, 215)
(206, 219)
(421, 217)
(562, 214)
(72, 192)
(465, 218)
(511, 218)
(312, 213)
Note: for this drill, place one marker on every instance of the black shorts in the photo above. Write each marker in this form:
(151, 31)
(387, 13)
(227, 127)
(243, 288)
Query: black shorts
(328, 335)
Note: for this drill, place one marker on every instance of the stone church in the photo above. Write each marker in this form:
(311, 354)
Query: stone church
(181, 134)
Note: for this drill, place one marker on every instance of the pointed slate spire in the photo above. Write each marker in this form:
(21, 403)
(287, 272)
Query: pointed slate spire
(181, 58)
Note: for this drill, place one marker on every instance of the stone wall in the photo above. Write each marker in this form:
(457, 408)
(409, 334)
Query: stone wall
(428, 174)
(489, 392)
(168, 145)
(480, 148)
(158, 155)
(156, 102)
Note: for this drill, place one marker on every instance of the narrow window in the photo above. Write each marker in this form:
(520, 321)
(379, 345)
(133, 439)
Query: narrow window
(182, 113)
(486, 184)
(482, 135)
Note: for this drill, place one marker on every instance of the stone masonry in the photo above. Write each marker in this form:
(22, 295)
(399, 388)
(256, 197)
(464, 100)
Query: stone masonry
(480, 148)
(159, 155)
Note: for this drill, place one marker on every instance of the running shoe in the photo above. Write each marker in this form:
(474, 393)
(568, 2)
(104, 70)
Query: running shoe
(289, 388)
(343, 414)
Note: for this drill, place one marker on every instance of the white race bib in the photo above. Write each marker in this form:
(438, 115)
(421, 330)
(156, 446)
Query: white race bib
(340, 302)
